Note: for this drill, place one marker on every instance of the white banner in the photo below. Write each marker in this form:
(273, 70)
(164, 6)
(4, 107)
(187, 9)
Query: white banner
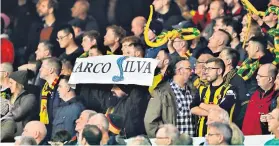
(114, 69)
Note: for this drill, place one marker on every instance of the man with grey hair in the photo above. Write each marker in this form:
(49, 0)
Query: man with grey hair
(5, 70)
(218, 115)
(101, 121)
(49, 97)
(83, 119)
(167, 134)
(178, 96)
(219, 134)
(27, 140)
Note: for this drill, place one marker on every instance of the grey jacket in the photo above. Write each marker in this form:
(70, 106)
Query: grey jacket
(25, 109)
(161, 109)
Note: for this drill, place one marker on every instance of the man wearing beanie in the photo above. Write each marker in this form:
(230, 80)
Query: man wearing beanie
(131, 105)
(155, 28)
(24, 103)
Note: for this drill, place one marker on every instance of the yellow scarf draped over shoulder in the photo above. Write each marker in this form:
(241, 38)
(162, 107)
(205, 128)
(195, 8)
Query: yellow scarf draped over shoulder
(46, 93)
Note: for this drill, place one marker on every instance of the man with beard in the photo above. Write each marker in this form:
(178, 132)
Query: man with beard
(45, 30)
(131, 104)
(178, 97)
(219, 94)
(236, 9)
(112, 39)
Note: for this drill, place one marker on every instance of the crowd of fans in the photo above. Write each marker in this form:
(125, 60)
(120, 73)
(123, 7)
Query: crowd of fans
(222, 85)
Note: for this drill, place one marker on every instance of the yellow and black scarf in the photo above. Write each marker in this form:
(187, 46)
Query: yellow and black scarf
(46, 93)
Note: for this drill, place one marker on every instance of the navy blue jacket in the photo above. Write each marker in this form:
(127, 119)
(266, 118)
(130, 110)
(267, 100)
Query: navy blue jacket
(66, 115)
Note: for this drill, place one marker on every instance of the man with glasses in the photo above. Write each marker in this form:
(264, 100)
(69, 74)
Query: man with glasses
(66, 39)
(219, 134)
(170, 103)
(200, 78)
(167, 134)
(5, 70)
(273, 125)
(261, 101)
(219, 94)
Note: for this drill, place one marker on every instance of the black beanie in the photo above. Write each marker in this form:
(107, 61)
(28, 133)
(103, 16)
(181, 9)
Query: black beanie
(125, 88)
(156, 26)
(20, 77)
(115, 123)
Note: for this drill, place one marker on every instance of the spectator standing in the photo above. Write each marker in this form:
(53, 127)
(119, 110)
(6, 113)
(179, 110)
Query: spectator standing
(80, 11)
(65, 37)
(69, 108)
(177, 94)
(113, 38)
(261, 102)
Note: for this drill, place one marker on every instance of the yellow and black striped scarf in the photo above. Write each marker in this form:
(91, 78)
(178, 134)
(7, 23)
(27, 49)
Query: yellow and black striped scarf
(46, 93)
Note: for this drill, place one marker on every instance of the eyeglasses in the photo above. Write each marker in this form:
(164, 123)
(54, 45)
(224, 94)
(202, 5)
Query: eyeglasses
(210, 68)
(269, 117)
(61, 38)
(261, 76)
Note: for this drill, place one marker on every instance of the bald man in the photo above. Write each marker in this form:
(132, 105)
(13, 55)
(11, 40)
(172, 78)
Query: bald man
(263, 99)
(80, 11)
(138, 26)
(83, 119)
(101, 121)
(174, 90)
(218, 41)
(35, 129)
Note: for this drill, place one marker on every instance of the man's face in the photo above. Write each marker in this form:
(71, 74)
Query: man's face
(42, 8)
(243, 33)
(161, 57)
(277, 82)
(211, 72)
(94, 52)
(81, 121)
(213, 136)
(185, 71)
(131, 51)
(251, 49)
(28, 131)
(109, 38)
(77, 9)
(213, 41)
(179, 44)
(219, 25)
(230, 30)
(63, 88)
(116, 91)
(223, 56)
(215, 10)
(230, 3)
(41, 52)
(3, 74)
(136, 28)
(162, 138)
(273, 120)
(63, 39)
(263, 77)
(151, 35)
(158, 5)
(269, 18)
(125, 48)
(87, 43)
(44, 70)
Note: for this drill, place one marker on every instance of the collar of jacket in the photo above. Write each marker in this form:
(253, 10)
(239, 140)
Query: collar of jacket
(71, 101)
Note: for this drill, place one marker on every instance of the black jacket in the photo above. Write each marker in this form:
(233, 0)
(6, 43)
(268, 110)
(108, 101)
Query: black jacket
(25, 109)
(66, 115)
(132, 108)
(95, 96)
